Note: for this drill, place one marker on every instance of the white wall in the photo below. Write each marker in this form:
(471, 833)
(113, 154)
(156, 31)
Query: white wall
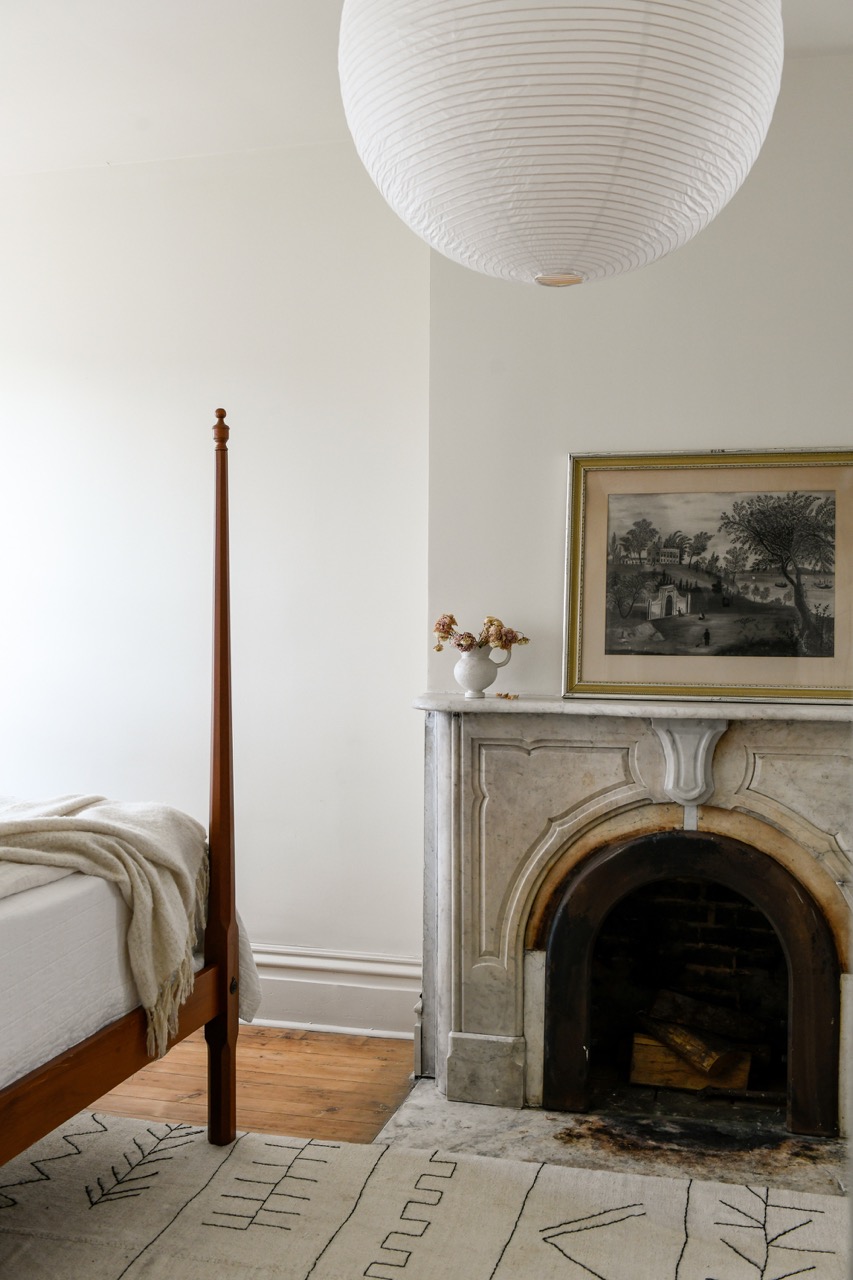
(135, 300)
(742, 339)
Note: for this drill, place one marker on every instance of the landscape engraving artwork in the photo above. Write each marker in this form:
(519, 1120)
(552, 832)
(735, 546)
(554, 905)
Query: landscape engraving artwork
(723, 574)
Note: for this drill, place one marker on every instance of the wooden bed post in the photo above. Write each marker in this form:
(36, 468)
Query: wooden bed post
(37, 1102)
(220, 941)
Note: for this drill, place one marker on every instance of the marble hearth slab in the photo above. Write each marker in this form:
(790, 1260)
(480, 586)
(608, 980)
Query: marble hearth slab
(428, 1119)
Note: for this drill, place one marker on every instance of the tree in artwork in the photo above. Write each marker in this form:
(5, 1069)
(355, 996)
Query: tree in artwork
(788, 534)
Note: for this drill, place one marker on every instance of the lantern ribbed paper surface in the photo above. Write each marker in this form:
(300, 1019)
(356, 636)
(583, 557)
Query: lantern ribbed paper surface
(559, 142)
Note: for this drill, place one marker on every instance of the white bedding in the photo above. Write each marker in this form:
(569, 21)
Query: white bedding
(155, 854)
(65, 969)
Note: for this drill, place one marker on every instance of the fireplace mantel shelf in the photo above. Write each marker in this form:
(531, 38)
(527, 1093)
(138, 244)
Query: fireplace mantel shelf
(636, 708)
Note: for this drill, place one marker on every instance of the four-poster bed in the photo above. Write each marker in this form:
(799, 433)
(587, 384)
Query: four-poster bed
(53, 1091)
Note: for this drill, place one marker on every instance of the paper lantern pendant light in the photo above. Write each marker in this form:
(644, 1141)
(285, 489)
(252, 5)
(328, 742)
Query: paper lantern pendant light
(559, 142)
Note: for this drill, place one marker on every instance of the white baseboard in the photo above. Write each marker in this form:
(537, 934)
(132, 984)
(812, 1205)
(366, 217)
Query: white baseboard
(338, 991)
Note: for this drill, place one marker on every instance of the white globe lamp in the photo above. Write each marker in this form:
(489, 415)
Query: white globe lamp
(558, 142)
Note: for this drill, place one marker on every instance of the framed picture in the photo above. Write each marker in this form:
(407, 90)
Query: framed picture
(710, 575)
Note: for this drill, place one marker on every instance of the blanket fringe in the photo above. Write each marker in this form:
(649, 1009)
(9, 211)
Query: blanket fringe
(163, 1018)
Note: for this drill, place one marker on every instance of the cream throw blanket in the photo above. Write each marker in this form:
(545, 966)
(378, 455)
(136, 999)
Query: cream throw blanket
(154, 854)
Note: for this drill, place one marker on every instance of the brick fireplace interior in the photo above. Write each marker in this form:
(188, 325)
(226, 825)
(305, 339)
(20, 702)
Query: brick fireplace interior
(630, 930)
(701, 941)
(605, 881)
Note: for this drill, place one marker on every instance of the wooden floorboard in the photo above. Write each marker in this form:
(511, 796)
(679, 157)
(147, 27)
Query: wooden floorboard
(306, 1084)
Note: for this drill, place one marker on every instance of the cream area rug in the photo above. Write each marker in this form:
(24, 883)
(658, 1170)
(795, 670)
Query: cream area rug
(104, 1198)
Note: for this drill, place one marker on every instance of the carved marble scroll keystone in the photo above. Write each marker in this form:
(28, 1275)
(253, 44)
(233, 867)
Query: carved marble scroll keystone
(688, 748)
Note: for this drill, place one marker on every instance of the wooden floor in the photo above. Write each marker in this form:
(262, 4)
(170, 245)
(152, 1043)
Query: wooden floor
(306, 1084)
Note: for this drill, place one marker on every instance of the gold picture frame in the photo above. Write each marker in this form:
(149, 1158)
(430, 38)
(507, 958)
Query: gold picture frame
(679, 583)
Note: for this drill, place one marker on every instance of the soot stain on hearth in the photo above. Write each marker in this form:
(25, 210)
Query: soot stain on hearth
(655, 1135)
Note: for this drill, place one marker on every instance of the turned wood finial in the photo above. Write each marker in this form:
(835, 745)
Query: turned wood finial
(221, 429)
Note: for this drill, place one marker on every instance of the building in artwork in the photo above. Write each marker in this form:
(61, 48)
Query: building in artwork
(668, 602)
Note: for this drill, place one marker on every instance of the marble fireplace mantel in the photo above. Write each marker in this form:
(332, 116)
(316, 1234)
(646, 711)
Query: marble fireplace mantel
(688, 731)
(519, 791)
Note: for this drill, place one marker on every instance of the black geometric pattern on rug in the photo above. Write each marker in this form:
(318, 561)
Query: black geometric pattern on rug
(769, 1231)
(40, 1173)
(394, 1253)
(276, 1198)
(559, 1236)
(136, 1171)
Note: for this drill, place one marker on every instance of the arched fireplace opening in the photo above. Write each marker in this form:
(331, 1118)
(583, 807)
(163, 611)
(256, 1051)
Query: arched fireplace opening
(689, 990)
(590, 923)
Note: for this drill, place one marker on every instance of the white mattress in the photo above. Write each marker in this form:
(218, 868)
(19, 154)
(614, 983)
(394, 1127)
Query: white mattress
(64, 969)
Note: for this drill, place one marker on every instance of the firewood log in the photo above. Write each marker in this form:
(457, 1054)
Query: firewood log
(708, 1054)
(653, 1063)
(672, 1006)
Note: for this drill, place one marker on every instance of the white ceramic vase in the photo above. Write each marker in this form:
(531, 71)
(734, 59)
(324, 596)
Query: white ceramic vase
(477, 669)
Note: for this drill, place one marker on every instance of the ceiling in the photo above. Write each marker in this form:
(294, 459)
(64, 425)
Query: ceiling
(120, 82)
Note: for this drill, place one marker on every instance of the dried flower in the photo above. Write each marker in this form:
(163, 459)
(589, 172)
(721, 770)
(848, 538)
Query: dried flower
(505, 637)
(444, 629)
(465, 641)
(493, 633)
